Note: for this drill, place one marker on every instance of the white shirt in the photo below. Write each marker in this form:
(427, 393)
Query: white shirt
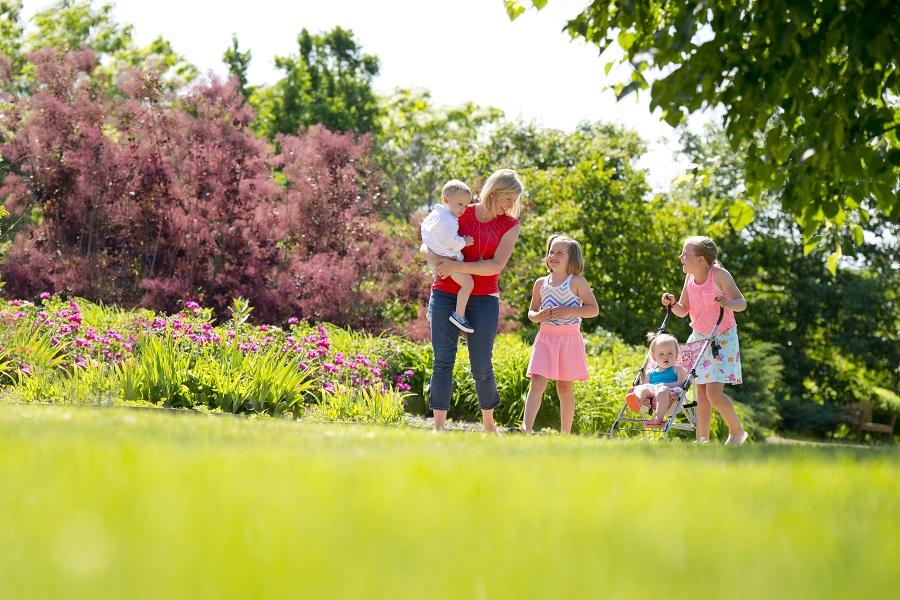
(440, 232)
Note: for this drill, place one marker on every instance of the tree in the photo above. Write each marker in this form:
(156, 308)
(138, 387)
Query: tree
(154, 197)
(420, 146)
(329, 83)
(71, 25)
(11, 33)
(809, 86)
(238, 62)
(835, 333)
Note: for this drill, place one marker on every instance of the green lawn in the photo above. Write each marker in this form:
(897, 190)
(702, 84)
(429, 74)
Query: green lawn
(129, 503)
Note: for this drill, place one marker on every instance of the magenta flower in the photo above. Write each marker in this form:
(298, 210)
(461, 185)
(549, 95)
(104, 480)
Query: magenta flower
(328, 387)
(45, 295)
(25, 369)
(293, 321)
(191, 305)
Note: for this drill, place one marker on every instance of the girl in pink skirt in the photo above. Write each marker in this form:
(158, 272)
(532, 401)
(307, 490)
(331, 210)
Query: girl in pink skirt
(558, 302)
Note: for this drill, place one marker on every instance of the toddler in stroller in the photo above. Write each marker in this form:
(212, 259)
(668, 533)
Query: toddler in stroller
(662, 384)
(663, 394)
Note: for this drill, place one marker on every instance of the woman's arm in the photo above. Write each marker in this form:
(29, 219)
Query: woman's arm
(733, 300)
(589, 308)
(492, 266)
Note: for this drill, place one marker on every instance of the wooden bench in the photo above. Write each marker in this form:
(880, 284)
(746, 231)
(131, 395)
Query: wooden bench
(860, 418)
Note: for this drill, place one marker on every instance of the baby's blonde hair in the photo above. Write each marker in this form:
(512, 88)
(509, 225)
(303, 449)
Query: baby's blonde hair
(576, 256)
(502, 181)
(455, 186)
(656, 339)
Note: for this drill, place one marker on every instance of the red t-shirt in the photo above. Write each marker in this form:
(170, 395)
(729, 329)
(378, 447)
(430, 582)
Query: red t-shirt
(487, 238)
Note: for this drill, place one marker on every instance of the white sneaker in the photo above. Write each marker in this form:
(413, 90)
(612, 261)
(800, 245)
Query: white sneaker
(701, 441)
(736, 441)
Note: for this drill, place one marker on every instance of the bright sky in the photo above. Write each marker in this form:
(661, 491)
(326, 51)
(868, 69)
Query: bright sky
(459, 50)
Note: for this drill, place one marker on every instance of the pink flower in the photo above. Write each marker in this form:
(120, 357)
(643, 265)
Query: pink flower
(45, 295)
(81, 362)
(293, 321)
(25, 369)
(191, 305)
(328, 387)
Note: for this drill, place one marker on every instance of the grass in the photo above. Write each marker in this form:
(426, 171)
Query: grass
(144, 503)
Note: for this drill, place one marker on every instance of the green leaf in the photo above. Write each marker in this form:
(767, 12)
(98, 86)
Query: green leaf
(832, 262)
(857, 232)
(626, 40)
(513, 9)
(810, 244)
(740, 214)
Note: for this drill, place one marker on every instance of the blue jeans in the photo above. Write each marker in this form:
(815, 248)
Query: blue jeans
(483, 313)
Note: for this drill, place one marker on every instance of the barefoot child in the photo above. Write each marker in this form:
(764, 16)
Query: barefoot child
(661, 384)
(440, 233)
(558, 302)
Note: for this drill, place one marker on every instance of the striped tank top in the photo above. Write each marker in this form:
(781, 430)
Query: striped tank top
(561, 295)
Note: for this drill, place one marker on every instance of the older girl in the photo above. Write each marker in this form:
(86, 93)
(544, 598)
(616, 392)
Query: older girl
(707, 287)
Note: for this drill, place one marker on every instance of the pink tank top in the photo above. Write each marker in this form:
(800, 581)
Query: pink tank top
(487, 238)
(704, 310)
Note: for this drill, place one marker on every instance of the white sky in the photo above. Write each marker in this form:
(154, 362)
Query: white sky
(459, 50)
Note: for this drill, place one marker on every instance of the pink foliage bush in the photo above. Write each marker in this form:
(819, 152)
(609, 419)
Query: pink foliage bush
(138, 197)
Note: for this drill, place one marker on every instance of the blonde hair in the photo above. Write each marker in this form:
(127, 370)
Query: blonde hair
(657, 339)
(455, 186)
(705, 248)
(576, 256)
(502, 181)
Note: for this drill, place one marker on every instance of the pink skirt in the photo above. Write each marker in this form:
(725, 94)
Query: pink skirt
(558, 354)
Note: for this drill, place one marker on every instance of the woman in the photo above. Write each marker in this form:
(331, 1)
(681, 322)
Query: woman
(492, 224)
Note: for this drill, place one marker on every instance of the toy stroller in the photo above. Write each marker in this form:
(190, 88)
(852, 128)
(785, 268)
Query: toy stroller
(689, 357)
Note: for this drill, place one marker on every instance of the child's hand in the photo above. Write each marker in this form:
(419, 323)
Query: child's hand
(469, 240)
(668, 299)
(722, 301)
(559, 312)
(545, 314)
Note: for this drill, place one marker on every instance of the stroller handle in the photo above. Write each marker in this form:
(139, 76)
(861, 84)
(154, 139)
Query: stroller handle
(666, 319)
